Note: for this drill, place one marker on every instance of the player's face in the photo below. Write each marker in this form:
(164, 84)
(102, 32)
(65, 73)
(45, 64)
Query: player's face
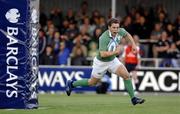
(114, 28)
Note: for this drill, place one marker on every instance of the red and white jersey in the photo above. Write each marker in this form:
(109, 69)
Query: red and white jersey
(129, 56)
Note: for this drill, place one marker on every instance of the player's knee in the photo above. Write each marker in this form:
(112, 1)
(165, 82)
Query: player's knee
(92, 83)
(126, 77)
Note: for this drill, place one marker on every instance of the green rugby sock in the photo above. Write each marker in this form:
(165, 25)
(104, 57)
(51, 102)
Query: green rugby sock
(129, 87)
(83, 83)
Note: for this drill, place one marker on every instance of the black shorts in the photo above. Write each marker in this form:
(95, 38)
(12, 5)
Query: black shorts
(130, 67)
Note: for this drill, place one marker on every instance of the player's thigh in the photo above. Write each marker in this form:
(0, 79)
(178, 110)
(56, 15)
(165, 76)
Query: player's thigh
(118, 68)
(99, 68)
(114, 65)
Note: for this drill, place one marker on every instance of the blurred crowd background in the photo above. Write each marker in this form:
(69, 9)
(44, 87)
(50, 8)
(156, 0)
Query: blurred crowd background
(70, 37)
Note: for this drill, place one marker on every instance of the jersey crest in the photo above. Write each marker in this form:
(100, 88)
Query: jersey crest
(112, 45)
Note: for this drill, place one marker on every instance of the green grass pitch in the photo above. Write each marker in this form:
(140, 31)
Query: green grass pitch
(102, 104)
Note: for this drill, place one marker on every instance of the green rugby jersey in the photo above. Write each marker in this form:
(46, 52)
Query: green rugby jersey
(108, 43)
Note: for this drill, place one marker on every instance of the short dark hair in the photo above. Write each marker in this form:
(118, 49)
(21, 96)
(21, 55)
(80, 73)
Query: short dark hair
(113, 20)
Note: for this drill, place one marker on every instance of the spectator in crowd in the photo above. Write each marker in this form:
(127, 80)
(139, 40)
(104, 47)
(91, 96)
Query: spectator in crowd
(92, 49)
(85, 37)
(72, 30)
(79, 44)
(87, 27)
(177, 22)
(173, 51)
(162, 46)
(63, 55)
(57, 17)
(160, 8)
(68, 41)
(177, 38)
(127, 24)
(141, 28)
(162, 18)
(48, 58)
(95, 18)
(154, 37)
(156, 32)
(79, 52)
(174, 55)
(102, 23)
(78, 58)
(97, 33)
(65, 26)
(170, 31)
(129, 11)
(43, 18)
(70, 15)
(137, 17)
(56, 42)
(42, 42)
(50, 34)
(49, 24)
(149, 16)
(84, 11)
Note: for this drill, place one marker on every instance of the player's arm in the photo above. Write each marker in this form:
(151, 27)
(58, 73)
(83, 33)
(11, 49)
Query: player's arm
(139, 58)
(103, 48)
(130, 38)
(122, 58)
(110, 53)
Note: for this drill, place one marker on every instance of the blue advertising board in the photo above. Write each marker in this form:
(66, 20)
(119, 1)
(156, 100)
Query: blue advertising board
(53, 78)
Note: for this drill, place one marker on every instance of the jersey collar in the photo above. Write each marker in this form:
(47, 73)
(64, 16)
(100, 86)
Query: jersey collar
(111, 34)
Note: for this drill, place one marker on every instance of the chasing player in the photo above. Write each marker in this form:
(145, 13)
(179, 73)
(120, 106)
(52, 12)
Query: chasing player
(106, 60)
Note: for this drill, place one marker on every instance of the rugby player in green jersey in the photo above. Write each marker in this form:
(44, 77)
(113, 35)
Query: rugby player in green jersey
(106, 60)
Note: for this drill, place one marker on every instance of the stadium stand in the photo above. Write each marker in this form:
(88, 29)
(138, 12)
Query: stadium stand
(159, 35)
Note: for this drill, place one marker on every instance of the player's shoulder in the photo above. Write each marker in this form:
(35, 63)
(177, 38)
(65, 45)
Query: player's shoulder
(121, 28)
(104, 35)
(122, 32)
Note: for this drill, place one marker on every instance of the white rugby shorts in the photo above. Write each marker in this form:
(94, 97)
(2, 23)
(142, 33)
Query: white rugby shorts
(100, 67)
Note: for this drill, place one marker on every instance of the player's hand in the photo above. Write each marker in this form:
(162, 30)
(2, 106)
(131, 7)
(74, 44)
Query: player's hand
(134, 48)
(118, 50)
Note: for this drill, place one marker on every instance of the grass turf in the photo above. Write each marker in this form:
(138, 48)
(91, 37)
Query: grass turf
(102, 104)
